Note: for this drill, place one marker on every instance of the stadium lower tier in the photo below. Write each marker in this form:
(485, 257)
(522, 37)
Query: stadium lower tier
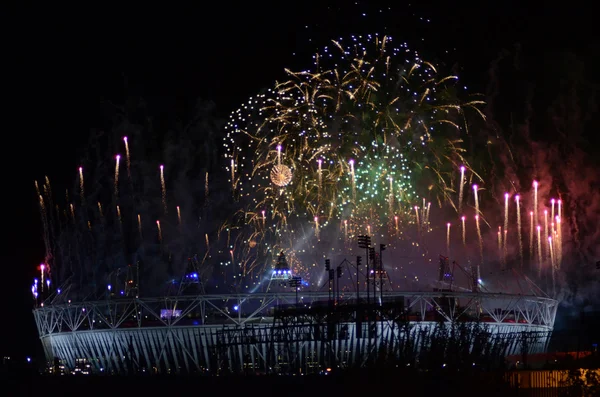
(273, 333)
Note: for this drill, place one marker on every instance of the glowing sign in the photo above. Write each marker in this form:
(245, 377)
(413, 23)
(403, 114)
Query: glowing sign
(167, 313)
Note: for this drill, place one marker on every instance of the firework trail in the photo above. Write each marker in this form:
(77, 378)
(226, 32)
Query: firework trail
(81, 187)
(417, 219)
(139, 225)
(546, 234)
(559, 241)
(427, 216)
(178, 216)
(505, 248)
(72, 212)
(44, 216)
(506, 197)
(535, 202)
(552, 203)
(519, 231)
(163, 188)
(553, 268)
(539, 250)
(120, 223)
(424, 215)
(50, 220)
(100, 210)
(37, 188)
(353, 178)
(116, 188)
(127, 157)
(500, 242)
(531, 227)
(464, 232)
(320, 181)
(158, 229)
(480, 238)
(206, 189)
(476, 196)
(448, 239)
(461, 188)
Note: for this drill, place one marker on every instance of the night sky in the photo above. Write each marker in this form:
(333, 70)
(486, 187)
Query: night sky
(66, 65)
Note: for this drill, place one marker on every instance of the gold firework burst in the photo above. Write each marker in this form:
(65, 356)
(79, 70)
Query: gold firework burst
(281, 175)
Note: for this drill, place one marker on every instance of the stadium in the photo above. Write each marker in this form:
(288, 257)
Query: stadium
(284, 332)
(309, 170)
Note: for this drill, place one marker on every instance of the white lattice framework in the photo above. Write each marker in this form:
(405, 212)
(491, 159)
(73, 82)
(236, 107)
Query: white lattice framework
(118, 334)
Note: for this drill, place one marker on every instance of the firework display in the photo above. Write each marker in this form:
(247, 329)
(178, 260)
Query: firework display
(363, 143)
(135, 213)
(370, 141)
(361, 154)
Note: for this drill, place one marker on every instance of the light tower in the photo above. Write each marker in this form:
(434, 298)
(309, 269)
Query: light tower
(282, 271)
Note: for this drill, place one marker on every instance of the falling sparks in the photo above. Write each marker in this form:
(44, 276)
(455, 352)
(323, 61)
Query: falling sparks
(500, 250)
(116, 189)
(461, 188)
(320, 179)
(158, 229)
(531, 228)
(353, 180)
(120, 219)
(476, 196)
(464, 231)
(127, 157)
(417, 218)
(506, 197)
(539, 250)
(448, 239)
(427, 211)
(100, 210)
(206, 189)
(552, 202)
(552, 265)
(81, 187)
(535, 202)
(163, 188)
(178, 216)
(317, 233)
(558, 241)
(546, 234)
(139, 225)
(519, 231)
(479, 237)
(45, 224)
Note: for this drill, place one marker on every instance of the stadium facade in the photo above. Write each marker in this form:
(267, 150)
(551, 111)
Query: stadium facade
(260, 333)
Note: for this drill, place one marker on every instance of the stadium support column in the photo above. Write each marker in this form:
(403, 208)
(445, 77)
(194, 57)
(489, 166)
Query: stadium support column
(364, 242)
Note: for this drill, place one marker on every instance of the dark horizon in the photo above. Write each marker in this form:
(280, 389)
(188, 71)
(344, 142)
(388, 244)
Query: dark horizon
(67, 73)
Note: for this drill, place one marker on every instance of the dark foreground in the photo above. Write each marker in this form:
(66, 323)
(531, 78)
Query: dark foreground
(349, 384)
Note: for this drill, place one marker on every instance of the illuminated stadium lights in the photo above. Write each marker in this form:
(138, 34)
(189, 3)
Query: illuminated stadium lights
(282, 270)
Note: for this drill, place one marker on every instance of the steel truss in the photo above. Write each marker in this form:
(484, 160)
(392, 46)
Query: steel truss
(265, 333)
